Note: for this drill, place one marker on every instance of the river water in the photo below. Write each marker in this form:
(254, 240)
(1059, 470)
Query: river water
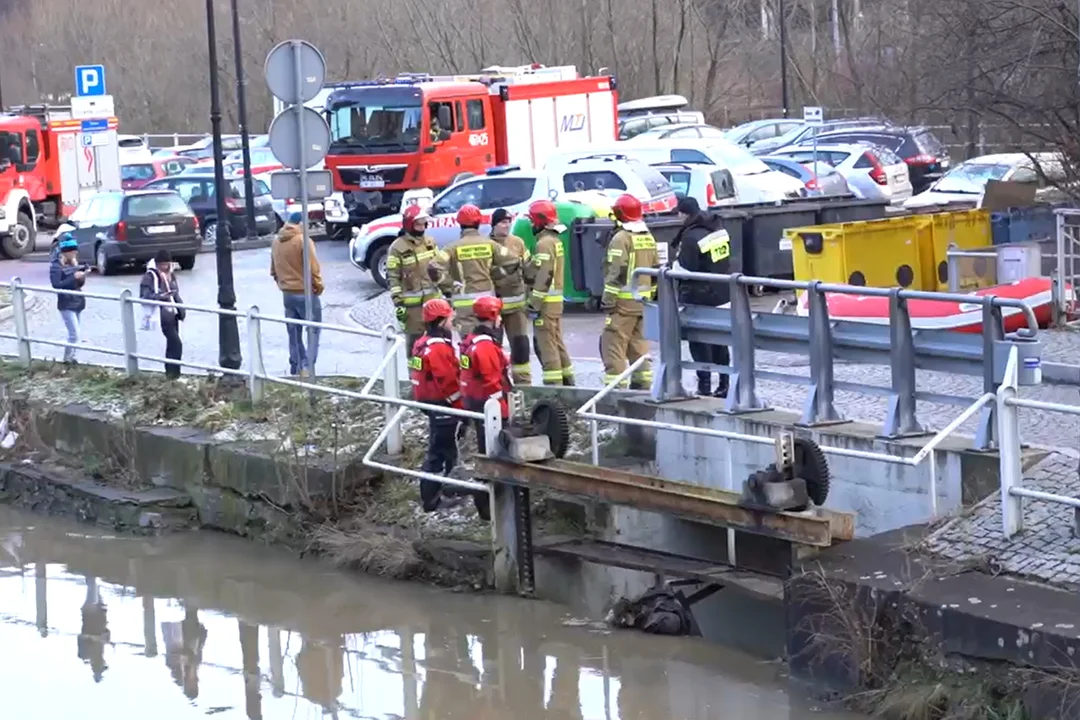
(99, 626)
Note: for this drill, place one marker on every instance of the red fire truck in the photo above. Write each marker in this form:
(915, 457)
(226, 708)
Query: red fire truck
(49, 163)
(422, 131)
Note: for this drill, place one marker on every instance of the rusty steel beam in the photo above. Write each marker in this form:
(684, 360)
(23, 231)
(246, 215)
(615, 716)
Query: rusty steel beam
(687, 501)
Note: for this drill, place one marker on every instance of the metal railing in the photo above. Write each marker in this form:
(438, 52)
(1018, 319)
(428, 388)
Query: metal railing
(1066, 271)
(892, 341)
(1013, 492)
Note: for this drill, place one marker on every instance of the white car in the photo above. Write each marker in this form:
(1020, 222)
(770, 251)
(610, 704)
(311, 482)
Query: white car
(872, 172)
(678, 131)
(514, 190)
(710, 185)
(754, 181)
(133, 149)
(966, 182)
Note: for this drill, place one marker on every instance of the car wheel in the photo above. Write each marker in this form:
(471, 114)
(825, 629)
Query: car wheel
(101, 260)
(210, 232)
(20, 240)
(186, 262)
(378, 265)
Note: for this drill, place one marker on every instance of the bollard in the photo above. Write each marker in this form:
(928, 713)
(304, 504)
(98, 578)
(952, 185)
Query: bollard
(256, 368)
(392, 342)
(504, 518)
(131, 341)
(819, 407)
(18, 311)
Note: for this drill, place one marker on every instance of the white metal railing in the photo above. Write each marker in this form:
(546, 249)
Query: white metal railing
(1011, 448)
(1066, 274)
(925, 452)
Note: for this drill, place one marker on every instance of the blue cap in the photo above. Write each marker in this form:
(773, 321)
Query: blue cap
(296, 218)
(68, 242)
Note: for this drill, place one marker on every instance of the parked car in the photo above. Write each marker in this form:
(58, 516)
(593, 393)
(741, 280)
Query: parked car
(754, 181)
(132, 149)
(804, 132)
(967, 181)
(198, 192)
(819, 180)
(122, 227)
(756, 130)
(509, 188)
(204, 149)
(710, 185)
(872, 172)
(926, 158)
(134, 175)
(680, 131)
(262, 161)
(286, 207)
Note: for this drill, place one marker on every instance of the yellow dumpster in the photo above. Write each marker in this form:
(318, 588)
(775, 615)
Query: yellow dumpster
(874, 253)
(967, 230)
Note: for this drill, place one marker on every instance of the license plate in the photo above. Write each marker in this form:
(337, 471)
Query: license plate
(160, 229)
(372, 181)
(785, 243)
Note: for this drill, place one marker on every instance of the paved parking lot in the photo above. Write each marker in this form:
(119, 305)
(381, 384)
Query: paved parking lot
(353, 299)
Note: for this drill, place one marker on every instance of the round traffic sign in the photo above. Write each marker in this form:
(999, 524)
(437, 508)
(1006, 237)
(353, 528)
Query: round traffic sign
(280, 71)
(285, 137)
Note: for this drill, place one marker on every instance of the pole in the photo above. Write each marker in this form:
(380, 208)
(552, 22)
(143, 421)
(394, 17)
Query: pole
(783, 60)
(228, 332)
(298, 79)
(241, 109)
(816, 188)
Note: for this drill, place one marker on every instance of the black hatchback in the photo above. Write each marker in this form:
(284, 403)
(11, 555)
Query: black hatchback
(927, 159)
(198, 190)
(124, 227)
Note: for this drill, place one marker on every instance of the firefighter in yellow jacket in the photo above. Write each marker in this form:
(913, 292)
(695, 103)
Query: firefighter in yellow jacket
(407, 272)
(632, 247)
(512, 290)
(545, 275)
(469, 268)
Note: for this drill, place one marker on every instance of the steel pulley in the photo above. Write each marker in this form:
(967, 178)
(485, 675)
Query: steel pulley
(797, 480)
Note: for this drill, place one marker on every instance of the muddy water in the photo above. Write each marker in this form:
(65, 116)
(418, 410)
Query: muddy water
(98, 626)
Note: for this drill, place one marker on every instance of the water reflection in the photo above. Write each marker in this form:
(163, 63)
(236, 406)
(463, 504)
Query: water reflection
(176, 629)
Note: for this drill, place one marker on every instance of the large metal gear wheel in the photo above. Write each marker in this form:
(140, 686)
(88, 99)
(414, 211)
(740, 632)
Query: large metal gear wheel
(550, 418)
(810, 465)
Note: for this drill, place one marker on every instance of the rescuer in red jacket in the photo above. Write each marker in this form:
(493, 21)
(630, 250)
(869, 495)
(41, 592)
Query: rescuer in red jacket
(434, 371)
(485, 372)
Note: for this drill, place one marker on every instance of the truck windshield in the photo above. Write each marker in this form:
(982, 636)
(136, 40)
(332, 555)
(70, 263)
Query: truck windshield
(359, 128)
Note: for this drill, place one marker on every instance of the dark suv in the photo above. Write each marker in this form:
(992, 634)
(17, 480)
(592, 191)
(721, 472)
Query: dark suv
(927, 159)
(197, 189)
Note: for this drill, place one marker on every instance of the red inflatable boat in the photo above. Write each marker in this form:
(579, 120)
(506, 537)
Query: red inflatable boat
(933, 315)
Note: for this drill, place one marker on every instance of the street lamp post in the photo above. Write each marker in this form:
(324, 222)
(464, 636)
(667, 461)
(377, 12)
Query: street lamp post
(228, 331)
(241, 109)
(783, 60)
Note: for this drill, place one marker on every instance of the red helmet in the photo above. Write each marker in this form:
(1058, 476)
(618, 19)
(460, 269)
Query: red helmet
(627, 208)
(411, 215)
(469, 216)
(437, 309)
(542, 213)
(487, 307)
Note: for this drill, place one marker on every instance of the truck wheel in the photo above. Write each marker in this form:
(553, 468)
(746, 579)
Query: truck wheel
(20, 240)
(186, 262)
(378, 265)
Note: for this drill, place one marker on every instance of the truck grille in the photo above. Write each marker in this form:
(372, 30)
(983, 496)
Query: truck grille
(354, 176)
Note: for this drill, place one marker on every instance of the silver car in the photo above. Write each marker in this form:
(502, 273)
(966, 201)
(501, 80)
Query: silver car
(872, 172)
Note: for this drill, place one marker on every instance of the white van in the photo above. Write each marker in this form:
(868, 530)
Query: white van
(643, 114)
(754, 181)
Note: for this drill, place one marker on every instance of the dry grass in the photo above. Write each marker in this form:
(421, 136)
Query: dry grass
(366, 546)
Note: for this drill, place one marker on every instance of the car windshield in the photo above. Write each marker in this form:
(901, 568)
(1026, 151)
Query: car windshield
(735, 159)
(136, 172)
(157, 204)
(970, 178)
(359, 127)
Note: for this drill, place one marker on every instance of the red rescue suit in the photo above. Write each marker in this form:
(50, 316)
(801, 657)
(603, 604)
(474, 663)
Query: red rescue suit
(434, 371)
(485, 372)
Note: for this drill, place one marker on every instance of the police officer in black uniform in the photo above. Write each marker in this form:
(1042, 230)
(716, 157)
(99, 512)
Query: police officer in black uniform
(702, 245)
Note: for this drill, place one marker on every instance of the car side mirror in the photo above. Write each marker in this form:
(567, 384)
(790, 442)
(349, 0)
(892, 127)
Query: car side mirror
(445, 120)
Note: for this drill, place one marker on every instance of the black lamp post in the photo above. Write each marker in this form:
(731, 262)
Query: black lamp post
(241, 109)
(228, 332)
(783, 60)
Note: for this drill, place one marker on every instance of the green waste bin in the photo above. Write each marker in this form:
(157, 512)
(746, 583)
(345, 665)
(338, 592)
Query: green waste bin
(569, 214)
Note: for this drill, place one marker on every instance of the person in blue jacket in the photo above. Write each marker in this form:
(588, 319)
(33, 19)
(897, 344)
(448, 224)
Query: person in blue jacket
(65, 273)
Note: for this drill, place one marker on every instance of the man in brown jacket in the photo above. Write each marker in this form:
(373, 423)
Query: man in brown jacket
(287, 269)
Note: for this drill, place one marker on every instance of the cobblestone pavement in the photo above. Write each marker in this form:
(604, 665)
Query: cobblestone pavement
(1047, 550)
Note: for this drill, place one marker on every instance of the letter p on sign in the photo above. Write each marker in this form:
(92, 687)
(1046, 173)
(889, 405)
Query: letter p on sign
(89, 80)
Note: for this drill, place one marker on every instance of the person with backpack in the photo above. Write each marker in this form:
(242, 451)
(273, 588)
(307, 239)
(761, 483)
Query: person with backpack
(159, 283)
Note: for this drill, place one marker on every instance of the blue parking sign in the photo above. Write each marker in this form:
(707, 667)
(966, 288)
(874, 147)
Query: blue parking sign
(89, 80)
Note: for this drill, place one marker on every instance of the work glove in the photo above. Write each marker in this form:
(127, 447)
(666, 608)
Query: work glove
(401, 313)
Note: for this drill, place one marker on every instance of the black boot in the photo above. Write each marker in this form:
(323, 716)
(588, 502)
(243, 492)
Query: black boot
(722, 388)
(704, 386)
(483, 506)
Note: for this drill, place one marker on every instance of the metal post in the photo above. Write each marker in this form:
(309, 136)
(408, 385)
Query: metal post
(783, 60)
(594, 439)
(901, 419)
(392, 388)
(256, 368)
(228, 332)
(1010, 469)
(819, 406)
(18, 312)
(667, 382)
(131, 341)
(993, 331)
(504, 520)
(241, 111)
(1058, 284)
(298, 80)
(742, 391)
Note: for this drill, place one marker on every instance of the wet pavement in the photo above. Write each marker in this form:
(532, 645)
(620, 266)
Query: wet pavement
(97, 626)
